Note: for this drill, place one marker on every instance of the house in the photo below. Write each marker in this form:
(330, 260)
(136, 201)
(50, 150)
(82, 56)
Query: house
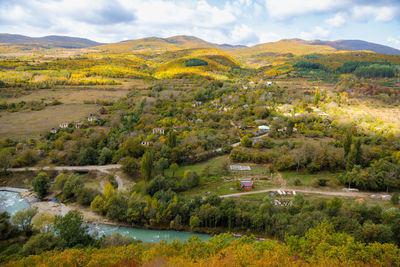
(92, 119)
(246, 184)
(55, 130)
(176, 128)
(158, 131)
(269, 83)
(199, 120)
(146, 143)
(323, 114)
(264, 128)
(78, 125)
(64, 125)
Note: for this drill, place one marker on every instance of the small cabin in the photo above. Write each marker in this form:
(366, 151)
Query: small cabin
(146, 143)
(92, 119)
(79, 125)
(64, 125)
(246, 185)
(55, 130)
(264, 128)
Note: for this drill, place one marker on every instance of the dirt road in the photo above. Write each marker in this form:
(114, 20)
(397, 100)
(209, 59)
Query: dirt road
(306, 191)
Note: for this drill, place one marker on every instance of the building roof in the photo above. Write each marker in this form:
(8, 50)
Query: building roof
(246, 183)
(240, 168)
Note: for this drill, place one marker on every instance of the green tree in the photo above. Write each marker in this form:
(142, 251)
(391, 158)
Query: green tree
(173, 167)
(246, 141)
(130, 166)
(106, 156)
(395, 198)
(348, 140)
(41, 184)
(23, 219)
(87, 156)
(39, 243)
(70, 230)
(5, 161)
(194, 222)
(170, 140)
(5, 226)
(147, 166)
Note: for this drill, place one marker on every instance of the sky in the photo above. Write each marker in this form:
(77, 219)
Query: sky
(246, 22)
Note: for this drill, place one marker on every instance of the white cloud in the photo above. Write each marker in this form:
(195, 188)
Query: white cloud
(282, 9)
(266, 37)
(336, 21)
(383, 13)
(395, 41)
(242, 34)
(316, 33)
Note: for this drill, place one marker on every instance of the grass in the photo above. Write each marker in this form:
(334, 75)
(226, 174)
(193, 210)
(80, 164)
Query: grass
(214, 163)
(30, 124)
(307, 178)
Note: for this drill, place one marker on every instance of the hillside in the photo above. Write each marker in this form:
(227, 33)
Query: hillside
(157, 44)
(358, 45)
(47, 41)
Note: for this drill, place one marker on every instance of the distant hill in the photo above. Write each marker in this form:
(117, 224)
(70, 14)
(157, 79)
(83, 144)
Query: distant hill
(47, 41)
(358, 45)
(159, 44)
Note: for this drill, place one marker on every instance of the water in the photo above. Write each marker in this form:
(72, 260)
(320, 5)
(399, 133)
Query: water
(13, 202)
(145, 235)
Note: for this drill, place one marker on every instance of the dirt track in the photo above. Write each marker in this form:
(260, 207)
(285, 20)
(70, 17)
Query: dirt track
(306, 191)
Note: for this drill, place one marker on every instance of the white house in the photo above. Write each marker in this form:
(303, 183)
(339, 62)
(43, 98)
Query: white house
(64, 125)
(264, 128)
(158, 131)
(92, 119)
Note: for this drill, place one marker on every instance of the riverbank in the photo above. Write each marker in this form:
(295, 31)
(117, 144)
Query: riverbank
(56, 208)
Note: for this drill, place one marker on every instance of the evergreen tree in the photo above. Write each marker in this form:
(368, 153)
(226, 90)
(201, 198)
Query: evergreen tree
(147, 166)
(348, 140)
(171, 139)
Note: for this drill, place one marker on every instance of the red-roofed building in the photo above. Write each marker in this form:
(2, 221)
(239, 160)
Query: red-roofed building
(246, 184)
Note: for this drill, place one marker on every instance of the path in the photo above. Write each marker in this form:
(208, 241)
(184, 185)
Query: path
(14, 189)
(305, 191)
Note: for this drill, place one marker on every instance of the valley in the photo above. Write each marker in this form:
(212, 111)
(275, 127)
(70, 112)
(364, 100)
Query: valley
(166, 133)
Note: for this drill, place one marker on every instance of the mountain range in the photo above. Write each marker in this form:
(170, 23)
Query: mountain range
(294, 46)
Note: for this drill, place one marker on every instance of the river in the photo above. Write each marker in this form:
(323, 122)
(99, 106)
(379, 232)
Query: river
(13, 202)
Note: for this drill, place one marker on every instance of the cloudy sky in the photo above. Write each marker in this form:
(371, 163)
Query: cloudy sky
(232, 21)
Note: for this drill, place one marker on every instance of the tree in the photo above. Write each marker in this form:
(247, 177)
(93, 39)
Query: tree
(41, 184)
(246, 141)
(23, 219)
(39, 243)
(395, 198)
(106, 156)
(130, 166)
(5, 226)
(347, 142)
(317, 96)
(5, 162)
(190, 179)
(147, 166)
(194, 222)
(87, 156)
(173, 167)
(170, 140)
(71, 231)
(355, 155)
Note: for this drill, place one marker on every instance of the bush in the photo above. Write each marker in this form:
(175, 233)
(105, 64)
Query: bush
(41, 184)
(297, 182)
(39, 243)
